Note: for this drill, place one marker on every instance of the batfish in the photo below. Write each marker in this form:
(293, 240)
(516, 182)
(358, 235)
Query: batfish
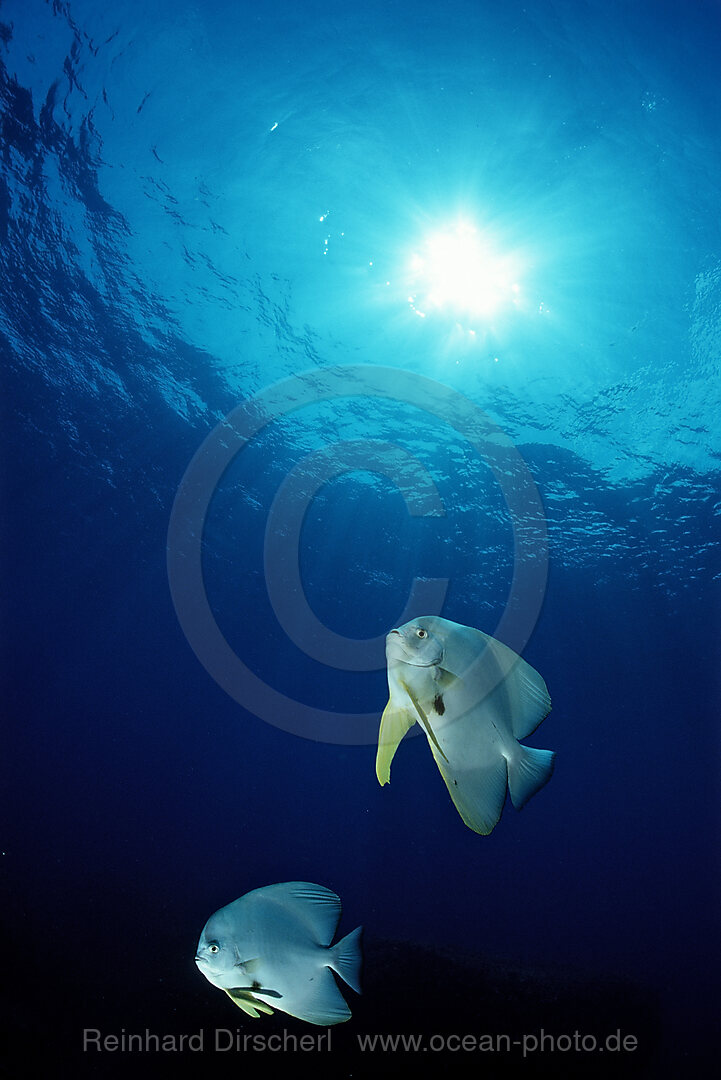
(271, 949)
(474, 698)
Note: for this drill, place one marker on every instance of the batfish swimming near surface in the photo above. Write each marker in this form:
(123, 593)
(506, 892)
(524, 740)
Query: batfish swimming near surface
(271, 949)
(474, 698)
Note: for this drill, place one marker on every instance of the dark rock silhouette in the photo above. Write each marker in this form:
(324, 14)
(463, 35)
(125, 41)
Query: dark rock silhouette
(435, 996)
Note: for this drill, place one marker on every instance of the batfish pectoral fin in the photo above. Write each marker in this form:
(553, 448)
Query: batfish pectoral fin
(445, 679)
(249, 967)
(395, 722)
(246, 1001)
(425, 722)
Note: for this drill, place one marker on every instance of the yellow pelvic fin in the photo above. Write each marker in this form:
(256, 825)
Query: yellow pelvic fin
(424, 720)
(248, 1003)
(395, 722)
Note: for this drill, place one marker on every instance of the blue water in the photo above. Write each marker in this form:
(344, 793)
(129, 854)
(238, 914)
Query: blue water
(199, 201)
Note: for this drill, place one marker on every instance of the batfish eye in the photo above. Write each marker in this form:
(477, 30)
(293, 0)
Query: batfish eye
(422, 633)
(214, 948)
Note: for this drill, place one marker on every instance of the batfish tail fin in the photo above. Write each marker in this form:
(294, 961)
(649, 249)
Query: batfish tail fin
(528, 771)
(345, 958)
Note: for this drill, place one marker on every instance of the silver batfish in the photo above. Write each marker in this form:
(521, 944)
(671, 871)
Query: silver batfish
(271, 949)
(474, 698)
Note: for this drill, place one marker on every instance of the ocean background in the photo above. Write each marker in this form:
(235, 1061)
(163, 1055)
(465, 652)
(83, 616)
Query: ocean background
(198, 200)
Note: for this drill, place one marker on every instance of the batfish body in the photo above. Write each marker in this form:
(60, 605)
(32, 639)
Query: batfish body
(271, 949)
(474, 698)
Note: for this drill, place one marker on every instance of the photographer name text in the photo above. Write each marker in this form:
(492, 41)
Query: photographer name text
(219, 1040)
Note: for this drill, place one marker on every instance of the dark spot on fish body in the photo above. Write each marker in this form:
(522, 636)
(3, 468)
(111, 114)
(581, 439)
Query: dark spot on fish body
(439, 705)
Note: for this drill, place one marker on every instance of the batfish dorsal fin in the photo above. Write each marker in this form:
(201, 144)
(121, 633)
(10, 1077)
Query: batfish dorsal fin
(319, 908)
(485, 663)
(528, 696)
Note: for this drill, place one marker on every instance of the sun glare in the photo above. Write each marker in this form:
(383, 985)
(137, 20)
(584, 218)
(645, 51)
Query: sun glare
(458, 270)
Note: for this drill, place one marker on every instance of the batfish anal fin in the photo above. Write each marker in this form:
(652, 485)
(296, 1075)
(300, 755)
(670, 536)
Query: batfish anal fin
(478, 794)
(395, 722)
(424, 721)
